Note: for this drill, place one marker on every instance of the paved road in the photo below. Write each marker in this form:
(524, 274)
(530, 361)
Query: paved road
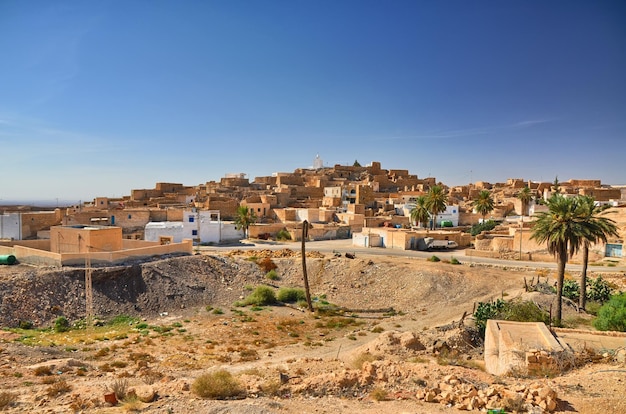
(345, 246)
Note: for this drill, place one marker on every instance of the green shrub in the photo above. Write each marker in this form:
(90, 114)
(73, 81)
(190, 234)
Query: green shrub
(612, 315)
(262, 295)
(217, 385)
(487, 310)
(455, 261)
(599, 290)
(272, 275)
(123, 320)
(26, 325)
(434, 259)
(478, 228)
(61, 324)
(283, 235)
(571, 289)
(291, 295)
(524, 311)
(519, 311)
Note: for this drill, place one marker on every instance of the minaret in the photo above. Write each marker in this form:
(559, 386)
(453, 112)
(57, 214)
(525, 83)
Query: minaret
(318, 163)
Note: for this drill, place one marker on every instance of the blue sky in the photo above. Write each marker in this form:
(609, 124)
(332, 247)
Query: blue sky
(98, 98)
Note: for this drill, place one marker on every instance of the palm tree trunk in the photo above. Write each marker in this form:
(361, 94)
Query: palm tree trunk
(582, 300)
(562, 260)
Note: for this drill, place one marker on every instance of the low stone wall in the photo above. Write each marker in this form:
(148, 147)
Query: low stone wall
(540, 361)
(456, 393)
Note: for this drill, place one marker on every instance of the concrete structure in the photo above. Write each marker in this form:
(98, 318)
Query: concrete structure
(526, 346)
(85, 239)
(101, 245)
(11, 226)
(203, 226)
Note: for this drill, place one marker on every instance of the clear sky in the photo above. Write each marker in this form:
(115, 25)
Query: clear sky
(101, 97)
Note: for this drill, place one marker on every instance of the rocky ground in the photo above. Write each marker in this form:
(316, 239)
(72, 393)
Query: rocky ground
(419, 358)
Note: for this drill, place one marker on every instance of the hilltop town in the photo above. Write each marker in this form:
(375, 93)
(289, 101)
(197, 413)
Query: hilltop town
(369, 204)
(169, 265)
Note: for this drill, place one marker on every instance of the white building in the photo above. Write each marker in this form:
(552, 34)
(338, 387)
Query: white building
(451, 214)
(11, 226)
(198, 225)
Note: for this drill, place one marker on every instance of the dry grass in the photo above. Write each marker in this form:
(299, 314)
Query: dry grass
(218, 385)
(43, 371)
(7, 399)
(120, 389)
(58, 388)
(358, 362)
(379, 394)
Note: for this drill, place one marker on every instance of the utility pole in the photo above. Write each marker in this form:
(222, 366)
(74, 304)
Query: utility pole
(305, 235)
(521, 230)
(88, 288)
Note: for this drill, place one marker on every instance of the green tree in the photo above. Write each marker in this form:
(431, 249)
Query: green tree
(525, 195)
(436, 202)
(356, 164)
(596, 229)
(244, 218)
(562, 228)
(483, 203)
(556, 185)
(419, 213)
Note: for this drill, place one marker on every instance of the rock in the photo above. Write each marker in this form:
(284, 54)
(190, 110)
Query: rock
(146, 393)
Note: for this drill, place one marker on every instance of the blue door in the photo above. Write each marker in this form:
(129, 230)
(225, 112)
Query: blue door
(613, 250)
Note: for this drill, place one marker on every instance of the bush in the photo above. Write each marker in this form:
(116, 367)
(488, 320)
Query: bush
(485, 311)
(262, 295)
(599, 290)
(26, 325)
(571, 289)
(434, 259)
(454, 261)
(218, 385)
(612, 315)
(291, 295)
(272, 275)
(478, 228)
(525, 311)
(7, 399)
(283, 235)
(266, 264)
(61, 324)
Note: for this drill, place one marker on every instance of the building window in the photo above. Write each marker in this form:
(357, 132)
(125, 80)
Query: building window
(194, 232)
(129, 216)
(191, 218)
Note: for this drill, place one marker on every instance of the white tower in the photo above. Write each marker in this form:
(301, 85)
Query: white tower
(318, 163)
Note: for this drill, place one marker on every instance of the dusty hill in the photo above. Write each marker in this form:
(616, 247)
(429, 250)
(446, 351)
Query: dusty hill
(285, 360)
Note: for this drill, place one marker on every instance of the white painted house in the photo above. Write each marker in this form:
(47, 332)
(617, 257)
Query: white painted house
(198, 225)
(451, 214)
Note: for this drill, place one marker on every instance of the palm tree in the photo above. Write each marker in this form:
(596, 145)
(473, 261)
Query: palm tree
(419, 214)
(597, 228)
(435, 202)
(562, 228)
(525, 195)
(244, 218)
(483, 203)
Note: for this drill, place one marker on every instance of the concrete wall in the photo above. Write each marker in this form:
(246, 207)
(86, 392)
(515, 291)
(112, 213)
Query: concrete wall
(507, 344)
(32, 222)
(154, 231)
(64, 239)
